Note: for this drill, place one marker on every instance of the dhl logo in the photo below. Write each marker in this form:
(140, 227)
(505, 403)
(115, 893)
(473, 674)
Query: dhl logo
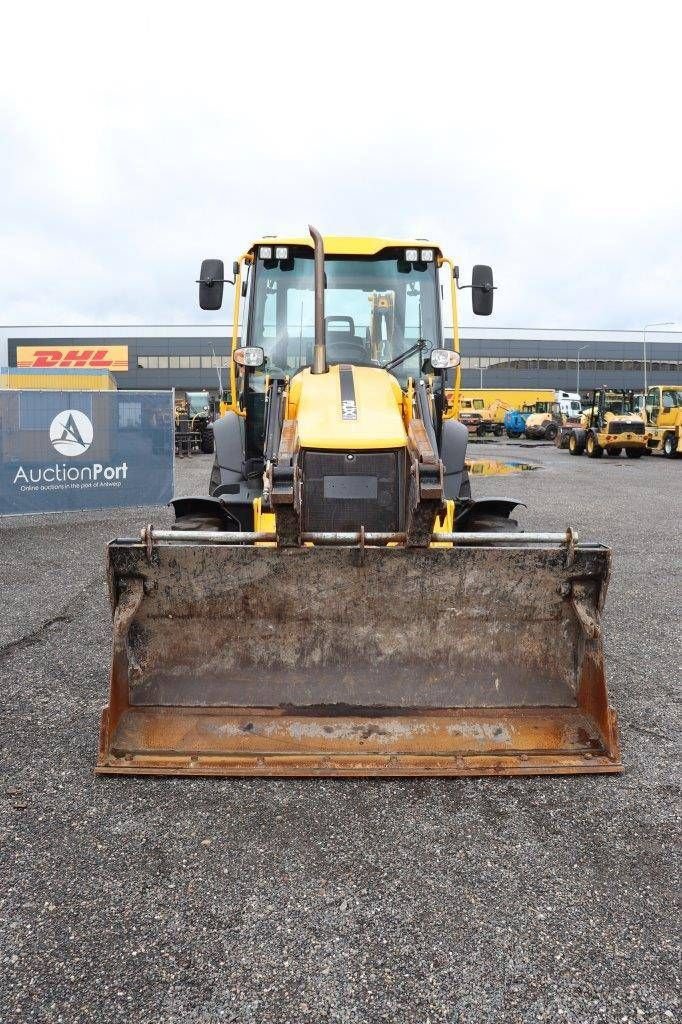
(114, 357)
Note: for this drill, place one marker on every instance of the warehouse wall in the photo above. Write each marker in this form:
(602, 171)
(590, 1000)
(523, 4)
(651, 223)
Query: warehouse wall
(191, 362)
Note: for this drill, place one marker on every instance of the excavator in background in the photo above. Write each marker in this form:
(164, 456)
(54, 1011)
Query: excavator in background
(339, 603)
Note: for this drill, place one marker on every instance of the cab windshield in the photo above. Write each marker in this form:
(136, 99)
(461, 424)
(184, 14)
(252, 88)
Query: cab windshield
(375, 309)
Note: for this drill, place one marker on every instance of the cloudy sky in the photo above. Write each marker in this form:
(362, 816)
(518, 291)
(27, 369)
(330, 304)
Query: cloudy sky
(543, 138)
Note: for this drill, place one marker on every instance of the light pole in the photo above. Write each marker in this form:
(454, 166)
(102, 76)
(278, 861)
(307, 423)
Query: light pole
(480, 366)
(668, 323)
(577, 379)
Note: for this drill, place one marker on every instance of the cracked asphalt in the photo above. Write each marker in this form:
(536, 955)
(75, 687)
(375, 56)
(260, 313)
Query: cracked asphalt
(355, 901)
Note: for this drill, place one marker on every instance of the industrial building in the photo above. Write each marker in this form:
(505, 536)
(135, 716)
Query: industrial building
(191, 358)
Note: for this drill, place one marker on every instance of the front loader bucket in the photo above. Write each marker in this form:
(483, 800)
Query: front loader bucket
(482, 658)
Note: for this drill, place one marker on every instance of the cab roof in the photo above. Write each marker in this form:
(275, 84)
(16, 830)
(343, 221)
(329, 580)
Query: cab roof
(347, 245)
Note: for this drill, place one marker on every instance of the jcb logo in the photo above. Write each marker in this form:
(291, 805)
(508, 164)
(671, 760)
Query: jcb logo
(114, 357)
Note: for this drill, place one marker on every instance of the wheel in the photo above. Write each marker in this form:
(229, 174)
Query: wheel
(492, 524)
(614, 452)
(497, 431)
(593, 449)
(575, 445)
(634, 453)
(513, 434)
(670, 446)
(207, 442)
(551, 431)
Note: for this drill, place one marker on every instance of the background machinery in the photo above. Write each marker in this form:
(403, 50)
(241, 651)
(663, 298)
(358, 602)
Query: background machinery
(339, 604)
(662, 409)
(194, 415)
(610, 424)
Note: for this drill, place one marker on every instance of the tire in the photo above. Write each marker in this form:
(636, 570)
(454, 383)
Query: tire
(592, 448)
(634, 453)
(207, 442)
(215, 480)
(498, 431)
(670, 446)
(614, 452)
(576, 445)
(492, 524)
(551, 431)
(513, 434)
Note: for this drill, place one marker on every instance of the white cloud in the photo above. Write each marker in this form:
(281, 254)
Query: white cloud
(142, 137)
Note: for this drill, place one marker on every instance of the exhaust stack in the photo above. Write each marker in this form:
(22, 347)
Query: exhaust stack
(320, 351)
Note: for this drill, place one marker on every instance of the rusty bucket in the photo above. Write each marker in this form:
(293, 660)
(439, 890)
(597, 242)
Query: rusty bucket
(481, 656)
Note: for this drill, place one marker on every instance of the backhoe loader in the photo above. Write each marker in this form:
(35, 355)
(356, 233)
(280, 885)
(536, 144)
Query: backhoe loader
(338, 604)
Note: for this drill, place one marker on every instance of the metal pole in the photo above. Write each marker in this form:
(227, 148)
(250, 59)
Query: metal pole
(150, 536)
(577, 381)
(647, 327)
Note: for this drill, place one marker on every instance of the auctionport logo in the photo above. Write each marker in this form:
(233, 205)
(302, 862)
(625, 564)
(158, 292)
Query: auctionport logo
(71, 432)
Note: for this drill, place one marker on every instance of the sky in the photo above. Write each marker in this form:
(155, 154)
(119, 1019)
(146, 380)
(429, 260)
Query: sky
(541, 138)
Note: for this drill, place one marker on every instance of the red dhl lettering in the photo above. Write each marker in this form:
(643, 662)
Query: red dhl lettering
(73, 357)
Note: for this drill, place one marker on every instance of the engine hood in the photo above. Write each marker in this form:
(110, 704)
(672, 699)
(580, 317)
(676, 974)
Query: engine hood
(354, 407)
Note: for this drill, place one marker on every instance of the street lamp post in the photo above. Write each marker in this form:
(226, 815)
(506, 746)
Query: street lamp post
(667, 323)
(577, 379)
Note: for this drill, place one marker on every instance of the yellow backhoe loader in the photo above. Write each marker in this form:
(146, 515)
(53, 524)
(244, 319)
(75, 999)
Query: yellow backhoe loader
(339, 604)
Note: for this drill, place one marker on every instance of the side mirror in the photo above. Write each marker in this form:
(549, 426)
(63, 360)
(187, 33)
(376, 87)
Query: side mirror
(482, 289)
(211, 281)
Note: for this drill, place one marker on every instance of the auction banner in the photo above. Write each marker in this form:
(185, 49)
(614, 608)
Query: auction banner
(66, 451)
(72, 357)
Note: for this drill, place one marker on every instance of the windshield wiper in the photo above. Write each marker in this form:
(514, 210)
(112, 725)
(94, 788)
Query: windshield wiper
(418, 346)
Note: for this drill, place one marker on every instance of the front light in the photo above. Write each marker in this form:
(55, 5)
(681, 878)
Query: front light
(427, 255)
(444, 359)
(281, 252)
(266, 252)
(412, 255)
(250, 355)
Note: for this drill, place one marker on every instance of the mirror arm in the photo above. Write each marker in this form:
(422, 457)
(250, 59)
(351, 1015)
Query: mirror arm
(209, 281)
(483, 287)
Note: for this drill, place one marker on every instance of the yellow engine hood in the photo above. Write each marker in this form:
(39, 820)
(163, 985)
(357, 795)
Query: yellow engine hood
(348, 407)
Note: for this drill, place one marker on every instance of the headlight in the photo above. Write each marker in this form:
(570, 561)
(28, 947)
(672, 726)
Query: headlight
(412, 255)
(427, 255)
(266, 252)
(250, 355)
(444, 358)
(281, 252)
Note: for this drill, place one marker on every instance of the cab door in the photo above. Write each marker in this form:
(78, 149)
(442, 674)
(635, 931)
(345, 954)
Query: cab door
(653, 406)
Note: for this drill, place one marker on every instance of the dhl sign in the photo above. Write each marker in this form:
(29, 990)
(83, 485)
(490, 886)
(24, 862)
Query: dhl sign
(63, 357)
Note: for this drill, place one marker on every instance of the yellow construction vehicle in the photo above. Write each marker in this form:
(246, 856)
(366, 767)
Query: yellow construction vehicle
(339, 604)
(662, 408)
(610, 424)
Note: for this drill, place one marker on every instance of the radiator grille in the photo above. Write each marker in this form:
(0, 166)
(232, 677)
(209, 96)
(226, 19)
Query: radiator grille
(625, 427)
(347, 490)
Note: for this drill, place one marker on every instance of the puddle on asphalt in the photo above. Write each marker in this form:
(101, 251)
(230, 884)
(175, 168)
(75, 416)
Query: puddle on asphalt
(496, 467)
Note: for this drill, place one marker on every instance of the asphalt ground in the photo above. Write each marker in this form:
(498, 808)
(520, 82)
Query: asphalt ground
(354, 901)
